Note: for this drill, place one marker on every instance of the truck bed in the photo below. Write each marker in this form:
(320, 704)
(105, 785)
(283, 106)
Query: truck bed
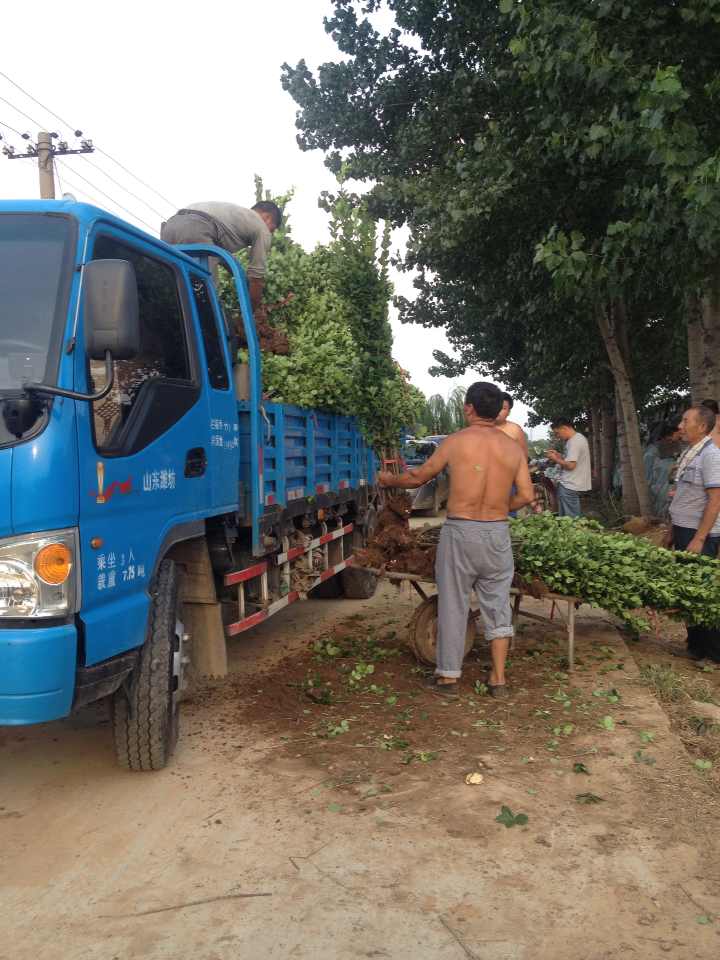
(307, 455)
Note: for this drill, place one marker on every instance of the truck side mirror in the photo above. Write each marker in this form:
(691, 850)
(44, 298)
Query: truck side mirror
(112, 320)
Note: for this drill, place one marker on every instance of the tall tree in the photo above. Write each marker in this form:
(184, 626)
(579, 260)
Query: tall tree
(556, 164)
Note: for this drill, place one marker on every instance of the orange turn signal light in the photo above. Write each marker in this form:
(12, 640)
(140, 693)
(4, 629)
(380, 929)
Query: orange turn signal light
(53, 563)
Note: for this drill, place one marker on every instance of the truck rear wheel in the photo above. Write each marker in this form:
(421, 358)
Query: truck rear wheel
(145, 719)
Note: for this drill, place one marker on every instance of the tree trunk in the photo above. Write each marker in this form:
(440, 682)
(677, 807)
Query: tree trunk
(704, 345)
(596, 443)
(630, 501)
(607, 445)
(613, 328)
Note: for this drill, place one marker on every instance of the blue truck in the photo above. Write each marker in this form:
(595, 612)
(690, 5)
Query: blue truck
(153, 501)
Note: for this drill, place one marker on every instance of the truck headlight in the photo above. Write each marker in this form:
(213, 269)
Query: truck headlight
(38, 575)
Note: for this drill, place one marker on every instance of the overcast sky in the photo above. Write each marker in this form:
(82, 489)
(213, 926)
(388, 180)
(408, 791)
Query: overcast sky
(189, 99)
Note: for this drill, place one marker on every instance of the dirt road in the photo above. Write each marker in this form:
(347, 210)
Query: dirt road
(280, 833)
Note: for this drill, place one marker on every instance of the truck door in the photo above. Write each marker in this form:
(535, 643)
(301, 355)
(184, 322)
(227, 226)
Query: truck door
(143, 452)
(223, 426)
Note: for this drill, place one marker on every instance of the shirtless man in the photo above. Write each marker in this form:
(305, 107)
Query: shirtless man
(474, 550)
(513, 430)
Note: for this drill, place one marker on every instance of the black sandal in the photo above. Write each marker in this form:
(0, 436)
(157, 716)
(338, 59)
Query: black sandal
(497, 690)
(447, 690)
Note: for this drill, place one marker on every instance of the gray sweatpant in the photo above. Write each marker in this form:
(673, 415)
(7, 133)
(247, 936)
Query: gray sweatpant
(190, 228)
(471, 555)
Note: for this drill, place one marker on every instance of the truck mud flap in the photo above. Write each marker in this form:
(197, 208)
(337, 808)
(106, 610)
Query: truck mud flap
(102, 679)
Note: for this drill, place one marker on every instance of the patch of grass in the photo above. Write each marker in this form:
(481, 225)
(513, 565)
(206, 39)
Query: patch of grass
(699, 690)
(667, 685)
(702, 726)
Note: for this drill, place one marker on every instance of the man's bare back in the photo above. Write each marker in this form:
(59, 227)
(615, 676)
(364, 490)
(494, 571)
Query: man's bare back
(484, 463)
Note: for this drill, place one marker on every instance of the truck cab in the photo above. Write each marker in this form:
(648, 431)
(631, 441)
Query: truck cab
(136, 490)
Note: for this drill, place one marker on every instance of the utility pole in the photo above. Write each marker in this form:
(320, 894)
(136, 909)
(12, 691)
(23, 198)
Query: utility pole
(44, 151)
(46, 170)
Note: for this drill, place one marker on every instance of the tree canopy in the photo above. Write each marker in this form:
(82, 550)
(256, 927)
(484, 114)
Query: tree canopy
(558, 164)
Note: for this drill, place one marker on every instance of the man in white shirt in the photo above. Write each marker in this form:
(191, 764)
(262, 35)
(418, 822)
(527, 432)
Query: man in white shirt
(575, 465)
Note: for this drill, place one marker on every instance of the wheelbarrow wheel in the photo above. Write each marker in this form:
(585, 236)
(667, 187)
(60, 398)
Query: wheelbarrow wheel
(422, 632)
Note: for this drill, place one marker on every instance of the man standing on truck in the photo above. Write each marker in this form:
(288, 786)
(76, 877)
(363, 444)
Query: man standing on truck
(233, 228)
(474, 551)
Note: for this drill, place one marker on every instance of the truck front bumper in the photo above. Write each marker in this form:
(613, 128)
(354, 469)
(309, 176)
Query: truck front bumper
(37, 673)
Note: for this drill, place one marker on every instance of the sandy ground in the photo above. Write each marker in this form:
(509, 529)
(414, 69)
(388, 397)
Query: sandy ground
(266, 838)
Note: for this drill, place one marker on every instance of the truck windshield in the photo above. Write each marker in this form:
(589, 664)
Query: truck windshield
(35, 274)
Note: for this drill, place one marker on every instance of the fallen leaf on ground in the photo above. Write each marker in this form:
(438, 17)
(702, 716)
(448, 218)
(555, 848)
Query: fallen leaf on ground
(509, 819)
(588, 798)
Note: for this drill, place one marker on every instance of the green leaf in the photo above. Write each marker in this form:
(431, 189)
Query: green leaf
(509, 819)
(704, 919)
(335, 807)
(581, 768)
(598, 131)
(506, 6)
(647, 736)
(607, 723)
(703, 764)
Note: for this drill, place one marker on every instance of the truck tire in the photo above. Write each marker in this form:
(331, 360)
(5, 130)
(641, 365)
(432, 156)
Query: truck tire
(145, 718)
(358, 584)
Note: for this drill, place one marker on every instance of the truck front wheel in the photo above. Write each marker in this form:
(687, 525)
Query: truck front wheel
(145, 717)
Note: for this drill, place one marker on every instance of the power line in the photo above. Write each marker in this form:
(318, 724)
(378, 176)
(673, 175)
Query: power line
(22, 113)
(80, 190)
(107, 196)
(99, 150)
(57, 174)
(123, 188)
(135, 176)
(34, 100)
(8, 127)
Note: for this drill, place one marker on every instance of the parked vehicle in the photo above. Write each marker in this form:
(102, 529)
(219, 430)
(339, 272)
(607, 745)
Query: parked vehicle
(433, 495)
(146, 512)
